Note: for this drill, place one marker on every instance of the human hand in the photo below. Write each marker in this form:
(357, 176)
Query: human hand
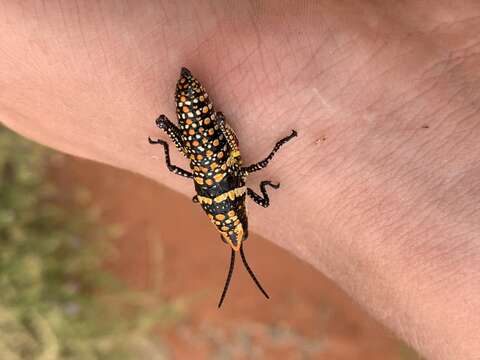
(380, 190)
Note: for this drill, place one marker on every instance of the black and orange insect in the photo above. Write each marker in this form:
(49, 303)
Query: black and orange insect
(209, 142)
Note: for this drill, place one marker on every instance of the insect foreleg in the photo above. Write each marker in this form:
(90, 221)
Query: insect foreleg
(263, 164)
(265, 200)
(173, 132)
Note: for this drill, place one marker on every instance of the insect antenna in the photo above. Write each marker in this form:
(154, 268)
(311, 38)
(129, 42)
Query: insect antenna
(251, 272)
(229, 277)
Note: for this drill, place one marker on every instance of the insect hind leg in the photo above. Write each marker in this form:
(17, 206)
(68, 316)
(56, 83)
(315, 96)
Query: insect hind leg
(265, 200)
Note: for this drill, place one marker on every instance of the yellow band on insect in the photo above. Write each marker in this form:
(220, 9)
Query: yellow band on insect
(232, 194)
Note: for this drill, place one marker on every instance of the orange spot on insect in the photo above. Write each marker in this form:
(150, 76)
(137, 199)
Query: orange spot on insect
(201, 98)
(236, 222)
(207, 121)
(205, 109)
(201, 130)
(219, 177)
(224, 228)
(231, 213)
(185, 109)
(210, 216)
(188, 121)
(204, 169)
(195, 143)
(220, 217)
(224, 166)
(220, 154)
(214, 166)
(209, 153)
(183, 98)
(199, 180)
(191, 132)
(216, 142)
(211, 131)
(209, 182)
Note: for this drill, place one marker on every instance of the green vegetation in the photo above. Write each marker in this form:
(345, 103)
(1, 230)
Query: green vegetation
(56, 299)
(407, 353)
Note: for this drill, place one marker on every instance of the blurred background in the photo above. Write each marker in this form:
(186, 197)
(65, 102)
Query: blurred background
(99, 263)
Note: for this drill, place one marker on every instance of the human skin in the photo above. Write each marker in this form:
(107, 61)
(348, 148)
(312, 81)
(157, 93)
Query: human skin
(381, 189)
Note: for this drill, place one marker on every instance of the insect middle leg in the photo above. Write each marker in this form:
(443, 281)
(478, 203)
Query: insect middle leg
(173, 168)
(263, 164)
(265, 200)
(174, 133)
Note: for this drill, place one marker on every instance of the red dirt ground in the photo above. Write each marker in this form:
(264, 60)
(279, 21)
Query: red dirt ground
(168, 246)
